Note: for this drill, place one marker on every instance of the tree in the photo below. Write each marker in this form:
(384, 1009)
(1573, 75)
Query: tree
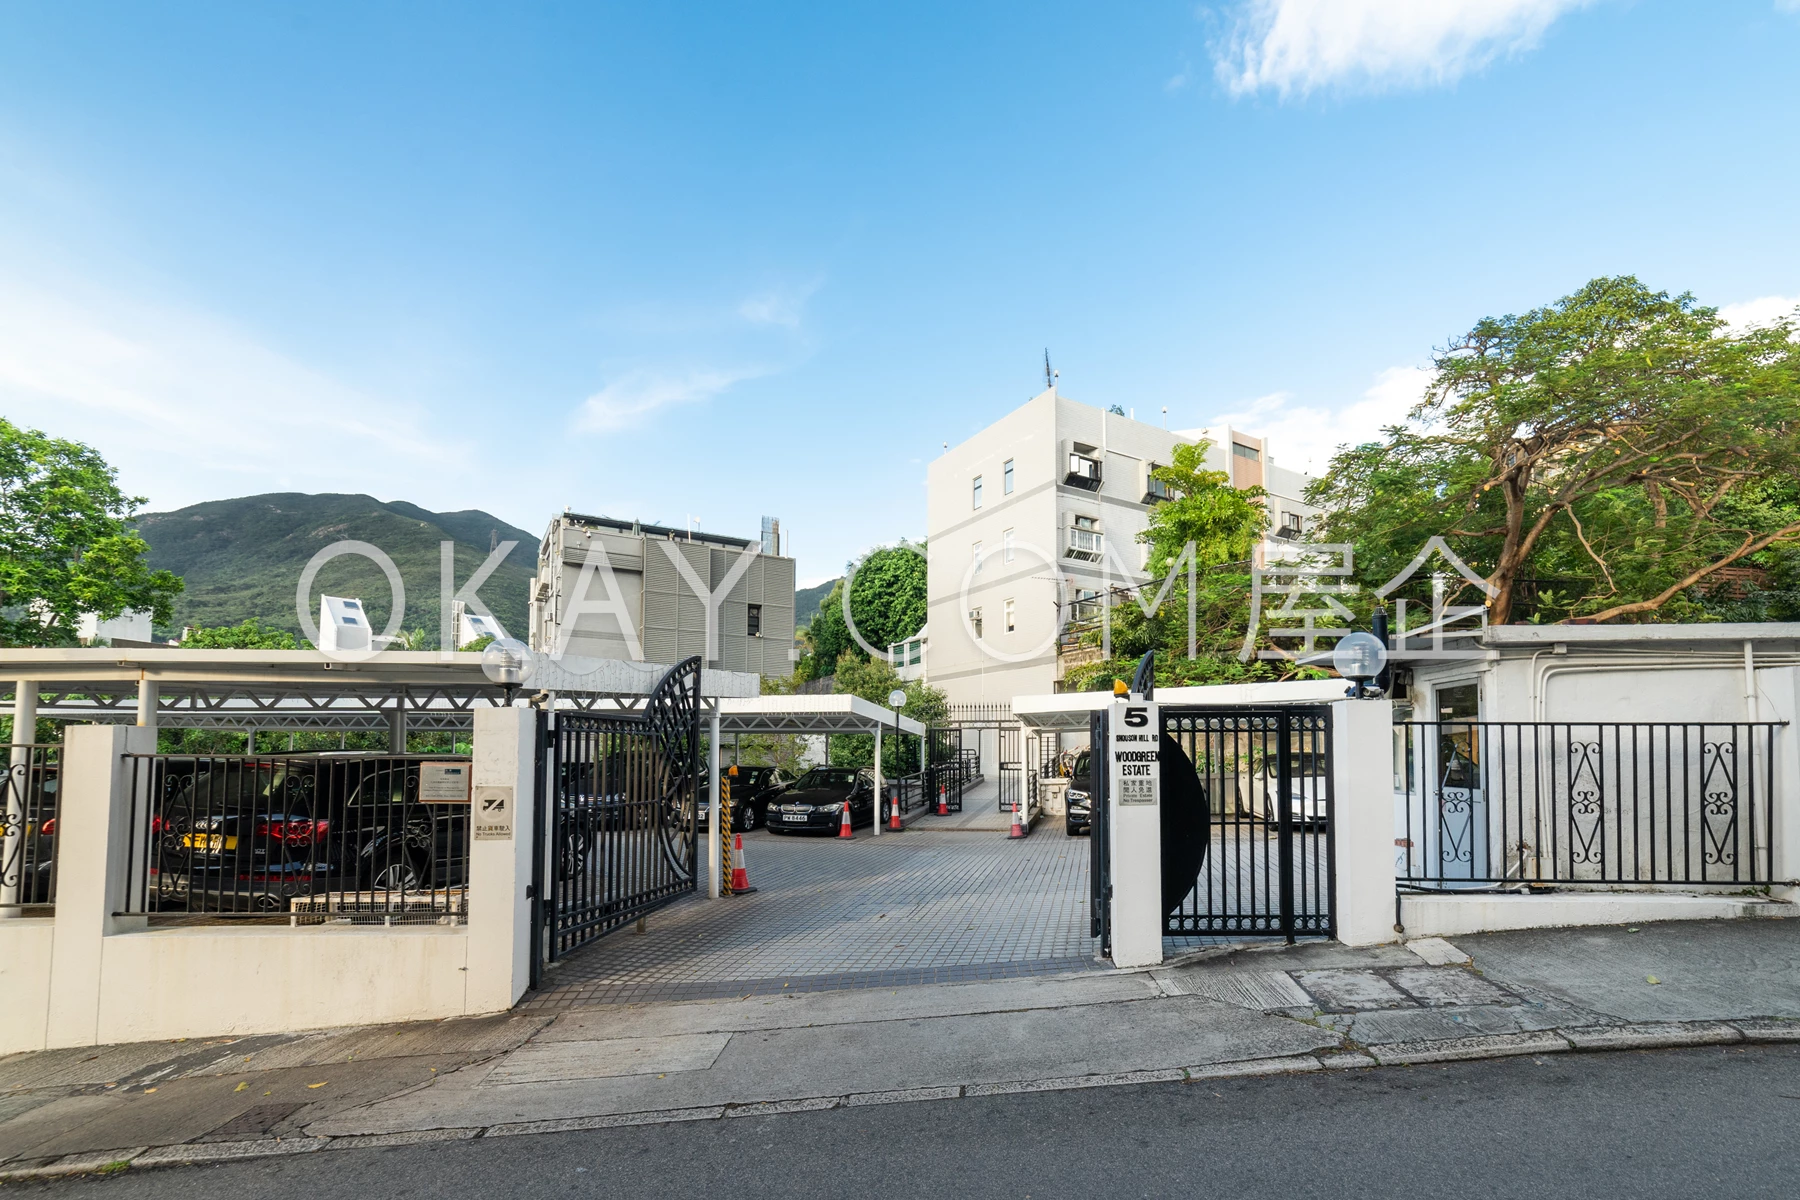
(873, 680)
(887, 602)
(250, 635)
(1223, 522)
(1620, 440)
(66, 544)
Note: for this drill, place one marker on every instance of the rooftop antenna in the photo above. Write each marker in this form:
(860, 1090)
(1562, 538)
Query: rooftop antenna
(1165, 416)
(1050, 377)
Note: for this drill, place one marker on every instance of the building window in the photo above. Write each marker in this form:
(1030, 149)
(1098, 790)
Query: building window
(1007, 611)
(1085, 541)
(978, 491)
(1249, 452)
(975, 622)
(1006, 482)
(1086, 606)
(1006, 546)
(1290, 527)
(755, 625)
(977, 555)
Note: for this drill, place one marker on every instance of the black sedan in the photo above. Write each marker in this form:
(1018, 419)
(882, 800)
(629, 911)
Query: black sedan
(750, 790)
(815, 804)
(1080, 796)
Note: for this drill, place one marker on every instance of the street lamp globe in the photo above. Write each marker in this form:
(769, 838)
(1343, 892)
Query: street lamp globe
(508, 662)
(1359, 657)
(896, 699)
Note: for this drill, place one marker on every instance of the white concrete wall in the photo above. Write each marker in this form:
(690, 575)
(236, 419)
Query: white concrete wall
(87, 977)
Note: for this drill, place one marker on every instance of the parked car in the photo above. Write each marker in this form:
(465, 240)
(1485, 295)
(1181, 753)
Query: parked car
(251, 835)
(1308, 789)
(1078, 817)
(750, 790)
(815, 803)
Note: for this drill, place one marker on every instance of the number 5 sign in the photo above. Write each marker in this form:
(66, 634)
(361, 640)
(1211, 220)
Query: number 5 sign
(1133, 752)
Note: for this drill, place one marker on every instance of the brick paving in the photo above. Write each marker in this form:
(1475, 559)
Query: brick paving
(918, 907)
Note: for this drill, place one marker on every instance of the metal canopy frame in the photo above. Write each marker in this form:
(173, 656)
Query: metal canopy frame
(306, 690)
(811, 715)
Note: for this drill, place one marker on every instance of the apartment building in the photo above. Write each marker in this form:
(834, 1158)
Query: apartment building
(607, 588)
(1033, 517)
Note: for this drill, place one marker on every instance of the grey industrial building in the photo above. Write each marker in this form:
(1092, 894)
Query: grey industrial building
(637, 569)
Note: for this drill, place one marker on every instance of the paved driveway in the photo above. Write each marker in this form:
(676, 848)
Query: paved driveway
(924, 906)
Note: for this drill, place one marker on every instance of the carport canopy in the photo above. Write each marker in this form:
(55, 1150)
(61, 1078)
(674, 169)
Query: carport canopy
(811, 715)
(1070, 710)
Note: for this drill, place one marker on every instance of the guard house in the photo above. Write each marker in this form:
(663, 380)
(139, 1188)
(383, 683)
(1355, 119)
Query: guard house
(612, 589)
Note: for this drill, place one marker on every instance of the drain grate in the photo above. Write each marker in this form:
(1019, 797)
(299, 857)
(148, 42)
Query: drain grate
(252, 1123)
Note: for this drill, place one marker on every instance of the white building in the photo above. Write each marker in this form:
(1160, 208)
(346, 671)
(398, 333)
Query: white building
(611, 589)
(1029, 521)
(130, 627)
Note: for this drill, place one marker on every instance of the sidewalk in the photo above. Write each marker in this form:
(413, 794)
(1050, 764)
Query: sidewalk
(1259, 1010)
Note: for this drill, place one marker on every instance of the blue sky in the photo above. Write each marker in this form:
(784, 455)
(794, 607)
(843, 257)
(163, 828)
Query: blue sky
(726, 260)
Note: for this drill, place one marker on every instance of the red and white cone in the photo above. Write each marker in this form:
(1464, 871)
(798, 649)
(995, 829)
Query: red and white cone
(1018, 825)
(844, 825)
(894, 825)
(943, 802)
(740, 874)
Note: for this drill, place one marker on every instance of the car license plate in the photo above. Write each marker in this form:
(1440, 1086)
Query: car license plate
(793, 816)
(211, 843)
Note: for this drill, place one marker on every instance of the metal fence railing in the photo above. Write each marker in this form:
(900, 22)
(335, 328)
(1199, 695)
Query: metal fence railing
(29, 793)
(355, 838)
(1492, 803)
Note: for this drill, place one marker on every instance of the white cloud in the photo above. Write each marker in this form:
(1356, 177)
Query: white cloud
(1294, 47)
(1303, 438)
(1763, 309)
(785, 307)
(629, 400)
(191, 408)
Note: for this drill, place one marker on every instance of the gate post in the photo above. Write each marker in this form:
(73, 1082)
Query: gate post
(1134, 731)
(1362, 820)
(501, 939)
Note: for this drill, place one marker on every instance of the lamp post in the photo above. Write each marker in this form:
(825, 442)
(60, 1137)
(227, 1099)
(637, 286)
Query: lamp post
(509, 663)
(896, 701)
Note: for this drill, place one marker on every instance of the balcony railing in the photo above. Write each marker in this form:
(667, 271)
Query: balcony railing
(1086, 544)
(1084, 472)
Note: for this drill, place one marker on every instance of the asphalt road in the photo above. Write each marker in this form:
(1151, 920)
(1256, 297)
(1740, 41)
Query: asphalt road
(1721, 1122)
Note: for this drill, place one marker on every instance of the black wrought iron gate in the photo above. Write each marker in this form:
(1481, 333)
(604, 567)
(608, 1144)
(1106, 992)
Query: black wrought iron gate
(617, 800)
(1265, 845)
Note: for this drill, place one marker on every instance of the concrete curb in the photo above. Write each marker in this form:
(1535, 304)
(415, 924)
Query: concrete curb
(1591, 1038)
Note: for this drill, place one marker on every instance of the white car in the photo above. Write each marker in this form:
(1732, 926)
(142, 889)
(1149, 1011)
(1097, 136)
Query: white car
(1309, 791)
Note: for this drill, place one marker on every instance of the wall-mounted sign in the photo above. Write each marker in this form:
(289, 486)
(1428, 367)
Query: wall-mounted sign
(444, 782)
(491, 818)
(1133, 738)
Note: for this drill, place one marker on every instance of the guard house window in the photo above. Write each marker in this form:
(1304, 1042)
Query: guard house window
(977, 491)
(975, 622)
(1006, 546)
(755, 629)
(1007, 611)
(977, 554)
(1006, 478)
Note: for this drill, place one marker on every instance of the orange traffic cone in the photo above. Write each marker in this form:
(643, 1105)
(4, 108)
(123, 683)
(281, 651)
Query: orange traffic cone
(943, 802)
(844, 825)
(740, 874)
(1018, 827)
(894, 825)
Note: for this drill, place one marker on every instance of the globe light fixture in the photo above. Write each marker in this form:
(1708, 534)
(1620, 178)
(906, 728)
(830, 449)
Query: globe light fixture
(1359, 657)
(509, 663)
(896, 699)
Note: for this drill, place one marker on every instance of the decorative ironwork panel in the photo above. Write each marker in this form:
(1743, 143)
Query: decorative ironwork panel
(29, 793)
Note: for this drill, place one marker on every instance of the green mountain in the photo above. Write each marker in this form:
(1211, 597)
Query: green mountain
(243, 558)
(807, 601)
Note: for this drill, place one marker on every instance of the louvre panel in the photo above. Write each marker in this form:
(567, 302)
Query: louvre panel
(778, 622)
(660, 575)
(660, 646)
(736, 652)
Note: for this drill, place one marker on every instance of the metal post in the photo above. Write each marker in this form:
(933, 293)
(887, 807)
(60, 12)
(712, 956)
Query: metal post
(12, 850)
(147, 698)
(880, 786)
(1284, 809)
(397, 727)
(712, 806)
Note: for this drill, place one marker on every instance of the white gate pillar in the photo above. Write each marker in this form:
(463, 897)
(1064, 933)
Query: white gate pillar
(500, 935)
(1362, 820)
(1134, 806)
